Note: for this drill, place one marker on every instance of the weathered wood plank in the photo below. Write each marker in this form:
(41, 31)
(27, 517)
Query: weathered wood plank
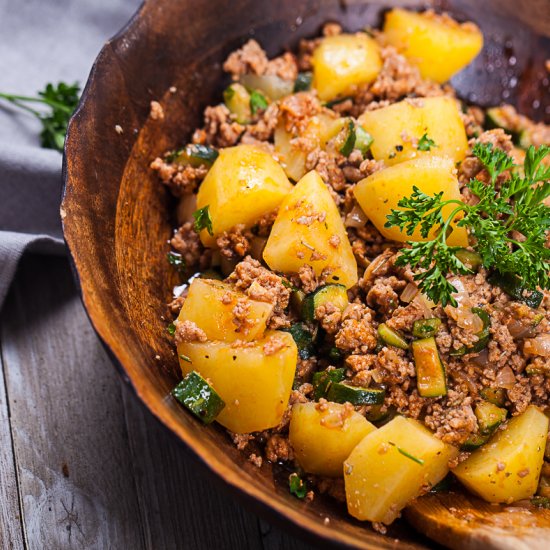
(274, 539)
(67, 418)
(11, 532)
(180, 506)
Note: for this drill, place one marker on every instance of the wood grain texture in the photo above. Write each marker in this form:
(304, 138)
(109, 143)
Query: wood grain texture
(67, 419)
(87, 451)
(464, 522)
(11, 532)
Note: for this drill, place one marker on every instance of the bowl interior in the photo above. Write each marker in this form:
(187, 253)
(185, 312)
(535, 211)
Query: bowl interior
(117, 218)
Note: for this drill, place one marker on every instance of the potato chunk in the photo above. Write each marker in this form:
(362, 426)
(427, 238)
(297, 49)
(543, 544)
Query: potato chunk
(378, 194)
(308, 231)
(437, 45)
(342, 62)
(323, 437)
(223, 312)
(391, 466)
(507, 468)
(397, 130)
(254, 379)
(243, 184)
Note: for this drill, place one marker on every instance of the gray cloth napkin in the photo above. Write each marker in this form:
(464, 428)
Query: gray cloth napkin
(41, 41)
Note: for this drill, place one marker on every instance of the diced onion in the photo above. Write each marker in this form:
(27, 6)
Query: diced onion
(506, 378)
(356, 218)
(540, 345)
(423, 306)
(519, 330)
(271, 85)
(376, 265)
(482, 358)
(409, 292)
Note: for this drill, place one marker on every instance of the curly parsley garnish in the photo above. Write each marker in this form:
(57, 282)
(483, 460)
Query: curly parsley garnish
(177, 260)
(508, 226)
(61, 101)
(425, 143)
(203, 220)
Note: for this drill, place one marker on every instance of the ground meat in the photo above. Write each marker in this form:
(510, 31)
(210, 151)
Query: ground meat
(328, 168)
(262, 130)
(404, 317)
(251, 58)
(284, 66)
(357, 332)
(278, 449)
(383, 295)
(181, 179)
(156, 112)
(263, 285)
(235, 243)
(188, 331)
(297, 109)
(187, 242)
(219, 128)
(329, 316)
(273, 345)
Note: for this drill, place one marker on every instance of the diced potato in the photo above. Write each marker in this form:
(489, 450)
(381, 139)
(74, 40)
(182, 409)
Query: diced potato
(379, 193)
(216, 308)
(398, 128)
(342, 62)
(323, 439)
(507, 468)
(243, 184)
(254, 385)
(308, 231)
(437, 45)
(391, 466)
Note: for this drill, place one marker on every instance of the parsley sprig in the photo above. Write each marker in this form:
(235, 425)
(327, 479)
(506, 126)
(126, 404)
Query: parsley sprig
(60, 101)
(508, 226)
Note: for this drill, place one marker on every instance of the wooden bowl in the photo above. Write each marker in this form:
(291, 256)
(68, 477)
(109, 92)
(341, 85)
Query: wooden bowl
(117, 218)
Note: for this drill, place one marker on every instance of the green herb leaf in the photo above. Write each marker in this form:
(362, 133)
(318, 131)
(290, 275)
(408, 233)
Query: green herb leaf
(61, 101)
(297, 486)
(408, 455)
(258, 102)
(425, 143)
(203, 220)
(541, 502)
(184, 358)
(494, 222)
(171, 328)
(177, 261)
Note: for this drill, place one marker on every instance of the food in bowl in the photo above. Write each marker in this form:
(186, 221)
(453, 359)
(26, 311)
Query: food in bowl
(370, 297)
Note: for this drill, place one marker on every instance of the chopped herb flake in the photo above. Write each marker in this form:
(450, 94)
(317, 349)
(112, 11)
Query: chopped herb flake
(171, 328)
(185, 358)
(258, 102)
(297, 486)
(177, 261)
(203, 220)
(541, 502)
(408, 455)
(425, 143)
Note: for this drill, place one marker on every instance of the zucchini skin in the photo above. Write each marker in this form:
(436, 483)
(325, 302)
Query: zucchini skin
(324, 379)
(391, 337)
(514, 287)
(334, 293)
(431, 379)
(425, 328)
(340, 392)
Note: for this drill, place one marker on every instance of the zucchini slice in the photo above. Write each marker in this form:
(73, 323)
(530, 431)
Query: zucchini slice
(489, 417)
(426, 328)
(303, 82)
(237, 100)
(496, 396)
(514, 287)
(483, 336)
(474, 442)
(196, 154)
(324, 379)
(391, 337)
(304, 338)
(197, 395)
(340, 392)
(472, 260)
(335, 294)
(431, 379)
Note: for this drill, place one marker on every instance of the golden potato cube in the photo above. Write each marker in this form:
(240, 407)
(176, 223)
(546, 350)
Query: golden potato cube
(507, 468)
(391, 466)
(243, 184)
(223, 312)
(397, 130)
(254, 379)
(379, 193)
(322, 437)
(308, 231)
(342, 62)
(438, 46)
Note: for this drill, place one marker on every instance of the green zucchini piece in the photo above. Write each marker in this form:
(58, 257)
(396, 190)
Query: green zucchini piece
(196, 154)
(496, 396)
(483, 335)
(211, 274)
(472, 260)
(297, 300)
(425, 328)
(495, 118)
(323, 380)
(489, 417)
(196, 394)
(303, 82)
(514, 287)
(431, 379)
(474, 442)
(237, 100)
(335, 294)
(346, 141)
(391, 337)
(363, 140)
(335, 354)
(524, 139)
(376, 414)
(330, 104)
(304, 339)
(340, 392)
(443, 486)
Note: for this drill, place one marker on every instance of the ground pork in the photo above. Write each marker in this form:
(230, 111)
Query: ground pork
(278, 449)
(357, 332)
(235, 243)
(250, 58)
(182, 179)
(188, 331)
(219, 128)
(187, 242)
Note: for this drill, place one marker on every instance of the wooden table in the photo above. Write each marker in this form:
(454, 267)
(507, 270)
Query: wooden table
(82, 463)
